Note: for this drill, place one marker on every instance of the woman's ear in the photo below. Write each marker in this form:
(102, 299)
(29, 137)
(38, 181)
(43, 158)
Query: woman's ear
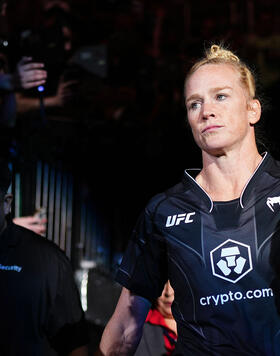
(254, 111)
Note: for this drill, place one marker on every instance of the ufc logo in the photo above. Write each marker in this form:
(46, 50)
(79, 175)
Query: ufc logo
(177, 219)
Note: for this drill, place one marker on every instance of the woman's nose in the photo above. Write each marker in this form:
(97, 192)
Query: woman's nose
(208, 111)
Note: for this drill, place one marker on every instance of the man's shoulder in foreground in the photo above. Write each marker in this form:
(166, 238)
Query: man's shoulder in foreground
(20, 235)
(33, 248)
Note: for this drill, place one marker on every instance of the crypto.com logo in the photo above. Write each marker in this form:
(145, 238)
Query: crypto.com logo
(231, 260)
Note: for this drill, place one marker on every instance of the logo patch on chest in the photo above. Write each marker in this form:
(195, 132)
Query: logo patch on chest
(179, 218)
(271, 201)
(231, 260)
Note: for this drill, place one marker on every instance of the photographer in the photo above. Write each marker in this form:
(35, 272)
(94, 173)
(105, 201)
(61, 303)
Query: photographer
(27, 74)
(51, 43)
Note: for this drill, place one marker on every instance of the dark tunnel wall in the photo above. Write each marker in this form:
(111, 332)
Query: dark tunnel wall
(121, 133)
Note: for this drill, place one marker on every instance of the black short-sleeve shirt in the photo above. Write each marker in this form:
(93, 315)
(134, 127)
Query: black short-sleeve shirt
(222, 259)
(39, 301)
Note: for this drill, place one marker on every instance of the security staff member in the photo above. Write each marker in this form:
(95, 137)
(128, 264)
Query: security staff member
(39, 302)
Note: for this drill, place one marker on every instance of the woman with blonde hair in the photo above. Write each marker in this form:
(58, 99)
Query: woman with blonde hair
(215, 235)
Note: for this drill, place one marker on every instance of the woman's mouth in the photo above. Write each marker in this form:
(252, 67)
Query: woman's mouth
(211, 128)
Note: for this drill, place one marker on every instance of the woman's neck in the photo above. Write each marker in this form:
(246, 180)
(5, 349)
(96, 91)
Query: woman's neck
(224, 177)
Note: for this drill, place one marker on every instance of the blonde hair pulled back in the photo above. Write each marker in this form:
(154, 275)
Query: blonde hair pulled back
(217, 54)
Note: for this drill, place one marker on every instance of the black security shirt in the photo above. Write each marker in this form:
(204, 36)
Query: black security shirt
(222, 259)
(39, 302)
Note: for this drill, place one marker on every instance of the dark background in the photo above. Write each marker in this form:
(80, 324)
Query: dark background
(122, 133)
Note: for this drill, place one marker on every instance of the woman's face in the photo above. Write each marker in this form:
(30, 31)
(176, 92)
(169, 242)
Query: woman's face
(220, 112)
(165, 301)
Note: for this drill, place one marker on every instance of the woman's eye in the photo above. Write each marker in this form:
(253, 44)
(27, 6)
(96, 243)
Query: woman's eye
(221, 97)
(194, 105)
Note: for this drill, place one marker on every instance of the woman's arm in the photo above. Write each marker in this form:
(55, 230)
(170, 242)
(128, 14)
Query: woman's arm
(124, 330)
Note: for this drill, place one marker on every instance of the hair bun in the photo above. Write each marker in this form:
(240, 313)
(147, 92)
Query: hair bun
(217, 54)
(216, 51)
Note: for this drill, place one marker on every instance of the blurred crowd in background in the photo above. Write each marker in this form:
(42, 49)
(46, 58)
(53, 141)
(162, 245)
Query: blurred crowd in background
(112, 109)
